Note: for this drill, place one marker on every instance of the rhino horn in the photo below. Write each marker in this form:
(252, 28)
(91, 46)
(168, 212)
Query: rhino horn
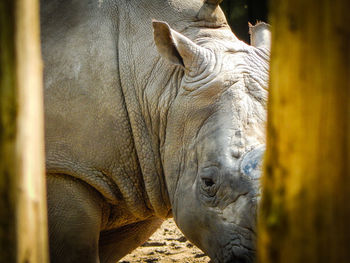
(177, 48)
(260, 35)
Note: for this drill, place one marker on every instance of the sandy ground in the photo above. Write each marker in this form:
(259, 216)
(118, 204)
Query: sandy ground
(167, 245)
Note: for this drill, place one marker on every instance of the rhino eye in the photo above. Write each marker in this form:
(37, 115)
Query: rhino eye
(209, 177)
(208, 187)
(208, 182)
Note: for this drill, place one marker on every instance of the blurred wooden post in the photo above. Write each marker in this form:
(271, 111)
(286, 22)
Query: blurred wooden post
(23, 219)
(305, 210)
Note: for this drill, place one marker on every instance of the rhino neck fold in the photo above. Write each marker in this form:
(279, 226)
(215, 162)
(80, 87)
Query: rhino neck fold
(148, 87)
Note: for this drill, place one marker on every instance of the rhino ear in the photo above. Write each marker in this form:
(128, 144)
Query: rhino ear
(260, 35)
(166, 43)
(175, 47)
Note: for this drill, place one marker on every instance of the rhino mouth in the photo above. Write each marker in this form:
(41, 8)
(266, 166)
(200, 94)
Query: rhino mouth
(235, 254)
(239, 254)
(240, 249)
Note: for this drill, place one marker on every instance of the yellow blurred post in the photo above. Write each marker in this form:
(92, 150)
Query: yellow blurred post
(305, 210)
(23, 219)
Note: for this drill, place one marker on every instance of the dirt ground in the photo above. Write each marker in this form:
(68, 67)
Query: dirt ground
(165, 246)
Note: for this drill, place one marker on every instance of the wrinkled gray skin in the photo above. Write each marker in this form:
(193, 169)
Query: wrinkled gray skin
(144, 123)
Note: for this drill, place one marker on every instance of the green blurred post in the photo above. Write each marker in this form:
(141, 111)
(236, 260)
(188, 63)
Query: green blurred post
(23, 219)
(305, 209)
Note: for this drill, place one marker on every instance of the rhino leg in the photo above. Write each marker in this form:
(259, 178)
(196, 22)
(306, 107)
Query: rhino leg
(115, 244)
(75, 212)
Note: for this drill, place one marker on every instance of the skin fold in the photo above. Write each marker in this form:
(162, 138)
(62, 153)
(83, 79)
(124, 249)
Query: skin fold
(153, 109)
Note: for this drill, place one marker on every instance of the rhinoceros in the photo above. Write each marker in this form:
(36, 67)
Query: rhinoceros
(153, 109)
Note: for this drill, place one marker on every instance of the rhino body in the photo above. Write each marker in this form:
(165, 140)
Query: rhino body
(147, 122)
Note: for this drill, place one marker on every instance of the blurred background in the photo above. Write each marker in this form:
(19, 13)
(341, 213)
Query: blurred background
(240, 12)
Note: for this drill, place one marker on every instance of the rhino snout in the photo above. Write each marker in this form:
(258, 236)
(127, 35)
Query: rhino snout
(242, 213)
(240, 216)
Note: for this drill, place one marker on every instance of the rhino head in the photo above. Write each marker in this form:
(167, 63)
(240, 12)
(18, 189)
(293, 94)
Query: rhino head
(215, 138)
